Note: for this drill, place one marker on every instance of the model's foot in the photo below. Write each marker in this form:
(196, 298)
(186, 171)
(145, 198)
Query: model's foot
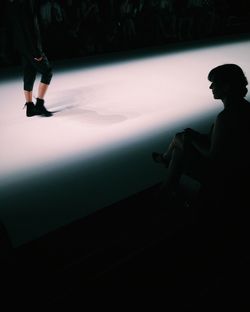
(30, 109)
(159, 158)
(41, 110)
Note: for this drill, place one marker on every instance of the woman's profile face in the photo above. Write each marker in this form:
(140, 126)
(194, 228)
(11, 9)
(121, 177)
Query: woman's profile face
(227, 81)
(219, 89)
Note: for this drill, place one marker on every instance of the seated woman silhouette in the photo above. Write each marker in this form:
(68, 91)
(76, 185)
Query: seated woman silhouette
(222, 156)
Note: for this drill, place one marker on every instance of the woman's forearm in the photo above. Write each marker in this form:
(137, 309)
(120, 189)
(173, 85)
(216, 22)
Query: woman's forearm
(202, 148)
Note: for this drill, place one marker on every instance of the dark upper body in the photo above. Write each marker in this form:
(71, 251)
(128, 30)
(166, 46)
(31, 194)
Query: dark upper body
(22, 21)
(229, 146)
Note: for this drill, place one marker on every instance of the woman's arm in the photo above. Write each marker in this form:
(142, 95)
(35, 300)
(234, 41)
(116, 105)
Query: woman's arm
(221, 137)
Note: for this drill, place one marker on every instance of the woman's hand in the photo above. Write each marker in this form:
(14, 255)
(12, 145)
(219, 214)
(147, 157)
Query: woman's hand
(191, 132)
(38, 59)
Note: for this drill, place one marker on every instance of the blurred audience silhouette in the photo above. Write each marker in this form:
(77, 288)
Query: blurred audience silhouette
(90, 27)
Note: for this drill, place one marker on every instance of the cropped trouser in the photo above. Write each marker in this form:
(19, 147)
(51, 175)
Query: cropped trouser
(30, 69)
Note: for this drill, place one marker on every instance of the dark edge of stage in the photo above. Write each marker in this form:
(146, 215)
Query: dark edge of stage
(81, 254)
(136, 243)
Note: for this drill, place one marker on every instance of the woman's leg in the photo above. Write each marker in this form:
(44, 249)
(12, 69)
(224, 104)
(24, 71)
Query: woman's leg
(165, 158)
(182, 157)
(175, 169)
(176, 142)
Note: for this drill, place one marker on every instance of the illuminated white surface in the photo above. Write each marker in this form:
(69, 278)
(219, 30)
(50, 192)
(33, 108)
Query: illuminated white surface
(103, 107)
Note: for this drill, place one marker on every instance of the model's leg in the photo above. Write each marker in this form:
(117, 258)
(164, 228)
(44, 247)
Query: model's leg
(28, 96)
(29, 76)
(45, 69)
(42, 89)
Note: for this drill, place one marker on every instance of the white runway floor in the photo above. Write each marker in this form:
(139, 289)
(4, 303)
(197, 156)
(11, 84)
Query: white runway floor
(88, 154)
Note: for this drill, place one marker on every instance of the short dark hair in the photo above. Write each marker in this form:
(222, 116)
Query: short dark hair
(231, 74)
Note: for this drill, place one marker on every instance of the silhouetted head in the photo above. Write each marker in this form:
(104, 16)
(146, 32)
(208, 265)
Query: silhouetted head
(228, 80)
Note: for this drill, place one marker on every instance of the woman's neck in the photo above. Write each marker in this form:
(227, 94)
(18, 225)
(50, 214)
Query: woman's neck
(232, 101)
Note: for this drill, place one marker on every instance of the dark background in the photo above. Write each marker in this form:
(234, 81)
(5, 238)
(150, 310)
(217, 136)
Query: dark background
(80, 28)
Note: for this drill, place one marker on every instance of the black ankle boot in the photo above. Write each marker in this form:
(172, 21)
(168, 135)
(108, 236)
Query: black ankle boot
(30, 109)
(40, 108)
